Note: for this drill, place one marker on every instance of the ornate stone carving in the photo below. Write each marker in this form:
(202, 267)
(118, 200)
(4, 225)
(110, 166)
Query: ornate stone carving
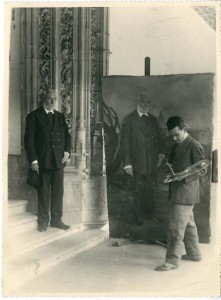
(208, 13)
(67, 62)
(44, 50)
(93, 67)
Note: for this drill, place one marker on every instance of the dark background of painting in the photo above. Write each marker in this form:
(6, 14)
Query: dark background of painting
(189, 96)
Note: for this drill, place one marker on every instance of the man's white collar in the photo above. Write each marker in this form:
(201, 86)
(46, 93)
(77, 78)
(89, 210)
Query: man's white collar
(47, 111)
(141, 114)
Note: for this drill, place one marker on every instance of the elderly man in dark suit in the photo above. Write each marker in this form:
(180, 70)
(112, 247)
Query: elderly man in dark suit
(140, 147)
(184, 193)
(48, 146)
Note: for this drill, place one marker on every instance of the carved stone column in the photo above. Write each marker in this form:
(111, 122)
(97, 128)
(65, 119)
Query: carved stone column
(100, 57)
(56, 55)
(94, 208)
(82, 150)
(65, 64)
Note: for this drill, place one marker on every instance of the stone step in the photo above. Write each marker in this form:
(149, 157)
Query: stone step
(17, 206)
(28, 241)
(27, 267)
(21, 223)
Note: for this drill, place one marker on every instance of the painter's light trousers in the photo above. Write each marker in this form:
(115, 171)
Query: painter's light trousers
(182, 228)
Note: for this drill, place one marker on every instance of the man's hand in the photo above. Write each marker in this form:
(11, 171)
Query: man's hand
(129, 171)
(65, 158)
(35, 167)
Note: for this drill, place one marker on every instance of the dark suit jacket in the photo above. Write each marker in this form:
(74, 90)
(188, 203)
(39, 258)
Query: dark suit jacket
(42, 142)
(140, 145)
(188, 153)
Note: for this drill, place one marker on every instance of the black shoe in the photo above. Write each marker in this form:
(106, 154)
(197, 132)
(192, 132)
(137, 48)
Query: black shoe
(191, 257)
(42, 227)
(60, 225)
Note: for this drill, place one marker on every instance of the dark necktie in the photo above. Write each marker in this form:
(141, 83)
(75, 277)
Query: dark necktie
(50, 116)
(144, 119)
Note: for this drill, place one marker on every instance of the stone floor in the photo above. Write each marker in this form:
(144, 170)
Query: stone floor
(128, 270)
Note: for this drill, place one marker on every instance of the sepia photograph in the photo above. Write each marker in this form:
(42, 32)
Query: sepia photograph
(110, 149)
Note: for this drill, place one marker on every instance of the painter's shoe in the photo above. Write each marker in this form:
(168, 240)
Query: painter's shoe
(191, 257)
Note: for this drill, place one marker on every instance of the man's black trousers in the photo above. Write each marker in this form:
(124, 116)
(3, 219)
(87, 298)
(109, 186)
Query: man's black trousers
(50, 195)
(145, 194)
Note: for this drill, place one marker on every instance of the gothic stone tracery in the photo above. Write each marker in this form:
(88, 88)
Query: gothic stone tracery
(67, 62)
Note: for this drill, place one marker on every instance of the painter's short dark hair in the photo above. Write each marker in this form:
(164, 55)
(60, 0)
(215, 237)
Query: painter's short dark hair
(174, 121)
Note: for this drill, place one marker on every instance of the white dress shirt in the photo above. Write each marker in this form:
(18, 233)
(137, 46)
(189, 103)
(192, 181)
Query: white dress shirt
(47, 111)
